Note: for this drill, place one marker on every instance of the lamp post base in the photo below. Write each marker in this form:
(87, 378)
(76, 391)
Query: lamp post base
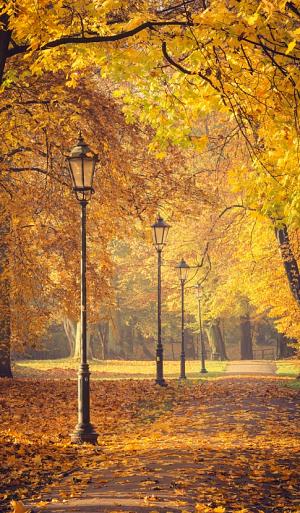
(84, 434)
(203, 371)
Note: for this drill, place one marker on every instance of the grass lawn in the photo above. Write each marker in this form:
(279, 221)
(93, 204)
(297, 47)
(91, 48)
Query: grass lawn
(115, 369)
(288, 368)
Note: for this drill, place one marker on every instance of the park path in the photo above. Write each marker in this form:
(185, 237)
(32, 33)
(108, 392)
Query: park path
(239, 445)
(256, 367)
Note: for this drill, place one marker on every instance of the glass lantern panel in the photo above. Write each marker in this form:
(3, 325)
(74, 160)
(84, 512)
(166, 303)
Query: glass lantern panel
(179, 270)
(158, 234)
(184, 272)
(76, 169)
(88, 172)
(183, 269)
(165, 234)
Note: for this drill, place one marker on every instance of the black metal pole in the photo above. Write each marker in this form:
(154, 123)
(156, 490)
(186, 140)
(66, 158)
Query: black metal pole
(182, 356)
(203, 369)
(84, 431)
(159, 348)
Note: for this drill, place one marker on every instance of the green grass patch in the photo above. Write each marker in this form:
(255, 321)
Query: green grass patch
(115, 369)
(294, 383)
(288, 368)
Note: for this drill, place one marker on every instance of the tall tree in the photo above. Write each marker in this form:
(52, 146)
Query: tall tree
(41, 240)
(239, 59)
(246, 338)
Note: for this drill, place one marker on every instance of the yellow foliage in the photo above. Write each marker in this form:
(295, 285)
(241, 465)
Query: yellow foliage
(216, 63)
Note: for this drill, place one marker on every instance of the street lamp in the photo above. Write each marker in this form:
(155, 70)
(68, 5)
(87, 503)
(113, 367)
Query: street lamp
(203, 369)
(82, 162)
(160, 231)
(183, 269)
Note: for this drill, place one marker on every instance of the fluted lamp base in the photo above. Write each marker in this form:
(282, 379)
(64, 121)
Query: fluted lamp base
(84, 434)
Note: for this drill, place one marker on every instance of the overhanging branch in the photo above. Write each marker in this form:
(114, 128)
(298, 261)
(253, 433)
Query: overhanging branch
(65, 40)
(186, 71)
(292, 7)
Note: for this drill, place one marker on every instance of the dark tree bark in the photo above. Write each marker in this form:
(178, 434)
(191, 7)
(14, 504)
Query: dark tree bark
(215, 339)
(289, 261)
(5, 335)
(5, 329)
(5, 361)
(283, 349)
(246, 338)
(5, 36)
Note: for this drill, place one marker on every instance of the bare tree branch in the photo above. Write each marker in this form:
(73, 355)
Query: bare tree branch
(186, 71)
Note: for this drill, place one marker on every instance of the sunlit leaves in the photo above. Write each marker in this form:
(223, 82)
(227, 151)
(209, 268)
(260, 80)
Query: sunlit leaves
(237, 57)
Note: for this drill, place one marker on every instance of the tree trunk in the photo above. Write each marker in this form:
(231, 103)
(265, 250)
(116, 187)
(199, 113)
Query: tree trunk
(5, 328)
(215, 339)
(90, 349)
(289, 261)
(246, 338)
(147, 353)
(5, 36)
(103, 335)
(283, 349)
(190, 346)
(281, 346)
(128, 336)
(72, 330)
(5, 362)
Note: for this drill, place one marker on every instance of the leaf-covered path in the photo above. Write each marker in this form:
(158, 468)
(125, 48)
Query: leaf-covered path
(231, 443)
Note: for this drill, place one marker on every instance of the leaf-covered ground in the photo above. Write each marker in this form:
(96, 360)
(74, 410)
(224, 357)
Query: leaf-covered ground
(229, 443)
(110, 369)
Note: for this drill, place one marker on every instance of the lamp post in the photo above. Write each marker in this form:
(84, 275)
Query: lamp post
(160, 231)
(82, 162)
(183, 269)
(203, 368)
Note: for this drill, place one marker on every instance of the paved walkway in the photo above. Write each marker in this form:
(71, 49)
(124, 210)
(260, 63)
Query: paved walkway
(219, 448)
(251, 367)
